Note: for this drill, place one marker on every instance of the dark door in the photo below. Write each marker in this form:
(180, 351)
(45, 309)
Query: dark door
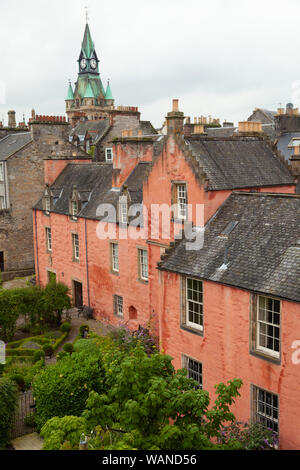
(77, 294)
(1, 261)
(51, 276)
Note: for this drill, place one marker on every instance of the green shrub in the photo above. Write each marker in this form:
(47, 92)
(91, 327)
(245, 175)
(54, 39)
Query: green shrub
(62, 389)
(36, 330)
(87, 345)
(61, 355)
(83, 329)
(65, 327)
(27, 370)
(38, 355)
(8, 405)
(60, 340)
(19, 380)
(48, 349)
(15, 344)
(68, 347)
(63, 430)
(20, 352)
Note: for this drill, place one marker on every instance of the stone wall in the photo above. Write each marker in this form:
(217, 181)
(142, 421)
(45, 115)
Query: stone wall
(25, 171)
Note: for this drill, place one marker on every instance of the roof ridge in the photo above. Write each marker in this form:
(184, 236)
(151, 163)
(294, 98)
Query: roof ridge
(269, 194)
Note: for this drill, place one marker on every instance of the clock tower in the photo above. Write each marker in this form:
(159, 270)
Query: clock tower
(88, 100)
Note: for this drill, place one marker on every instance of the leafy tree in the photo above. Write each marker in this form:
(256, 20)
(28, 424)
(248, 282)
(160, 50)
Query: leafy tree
(55, 300)
(38, 305)
(151, 406)
(62, 389)
(66, 430)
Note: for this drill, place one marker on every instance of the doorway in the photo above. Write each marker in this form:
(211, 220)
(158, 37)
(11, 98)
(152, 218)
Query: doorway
(2, 261)
(77, 290)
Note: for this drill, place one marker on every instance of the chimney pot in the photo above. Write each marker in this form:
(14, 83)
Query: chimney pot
(175, 106)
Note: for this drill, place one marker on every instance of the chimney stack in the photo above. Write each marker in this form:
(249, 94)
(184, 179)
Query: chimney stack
(175, 120)
(11, 118)
(198, 129)
(250, 127)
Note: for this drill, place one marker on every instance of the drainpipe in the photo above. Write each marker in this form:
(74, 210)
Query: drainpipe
(36, 248)
(87, 265)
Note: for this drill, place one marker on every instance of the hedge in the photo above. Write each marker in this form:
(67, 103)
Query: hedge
(8, 404)
(19, 352)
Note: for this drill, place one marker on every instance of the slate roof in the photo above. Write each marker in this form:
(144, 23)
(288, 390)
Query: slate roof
(96, 129)
(12, 143)
(93, 181)
(260, 254)
(238, 162)
(147, 128)
(221, 131)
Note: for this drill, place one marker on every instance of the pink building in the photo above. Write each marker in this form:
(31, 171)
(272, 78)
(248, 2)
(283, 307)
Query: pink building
(117, 274)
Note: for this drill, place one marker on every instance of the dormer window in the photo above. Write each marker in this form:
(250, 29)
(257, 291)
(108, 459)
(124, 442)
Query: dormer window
(123, 210)
(74, 208)
(109, 154)
(47, 204)
(74, 204)
(47, 200)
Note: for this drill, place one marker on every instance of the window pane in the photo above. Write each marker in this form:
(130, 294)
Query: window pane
(268, 320)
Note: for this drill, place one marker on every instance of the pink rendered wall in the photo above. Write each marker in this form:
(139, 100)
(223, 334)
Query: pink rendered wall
(224, 349)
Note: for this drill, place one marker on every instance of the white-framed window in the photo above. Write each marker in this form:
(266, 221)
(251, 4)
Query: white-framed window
(115, 257)
(88, 145)
(265, 408)
(109, 154)
(75, 243)
(268, 325)
(194, 303)
(118, 306)
(47, 204)
(143, 264)
(181, 201)
(74, 208)
(194, 369)
(49, 239)
(1, 171)
(123, 210)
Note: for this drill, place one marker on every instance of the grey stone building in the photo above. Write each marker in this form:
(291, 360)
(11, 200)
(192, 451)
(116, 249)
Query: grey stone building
(22, 180)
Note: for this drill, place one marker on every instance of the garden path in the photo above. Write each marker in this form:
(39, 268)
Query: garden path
(95, 326)
(31, 441)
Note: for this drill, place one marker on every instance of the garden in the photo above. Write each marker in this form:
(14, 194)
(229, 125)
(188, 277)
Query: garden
(113, 392)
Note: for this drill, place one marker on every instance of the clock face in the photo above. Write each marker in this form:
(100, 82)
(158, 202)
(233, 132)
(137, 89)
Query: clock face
(93, 63)
(83, 64)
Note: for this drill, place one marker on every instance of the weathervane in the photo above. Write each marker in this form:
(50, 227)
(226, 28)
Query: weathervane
(87, 14)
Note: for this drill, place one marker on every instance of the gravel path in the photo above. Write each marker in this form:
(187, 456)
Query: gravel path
(96, 327)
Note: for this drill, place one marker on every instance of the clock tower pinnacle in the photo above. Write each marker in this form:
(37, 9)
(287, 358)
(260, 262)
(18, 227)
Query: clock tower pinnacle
(89, 97)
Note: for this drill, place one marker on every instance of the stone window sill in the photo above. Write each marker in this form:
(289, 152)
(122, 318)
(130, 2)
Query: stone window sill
(192, 330)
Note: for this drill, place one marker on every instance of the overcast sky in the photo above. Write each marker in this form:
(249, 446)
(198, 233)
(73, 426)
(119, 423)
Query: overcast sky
(221, 58)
